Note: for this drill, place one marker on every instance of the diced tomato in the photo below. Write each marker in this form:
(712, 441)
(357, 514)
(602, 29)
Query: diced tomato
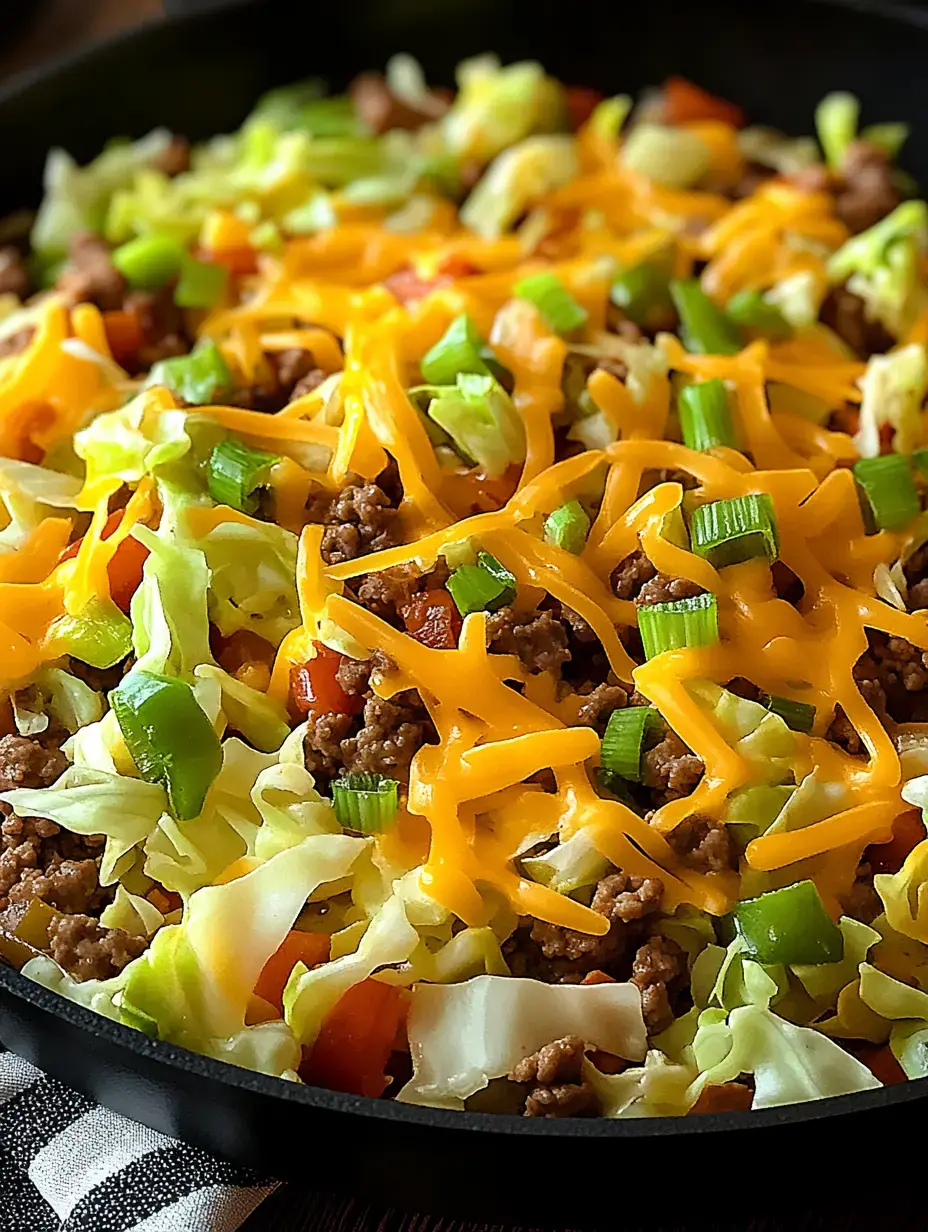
(456, 266)
(908, 832)
(123, 334)
(308, 948)
(597, 977)
(125, 569)
(165, 900)
(581, 103)
(357, 1036)
(236, 260)
(881, 1063)
(684, 102)
(314, 688)
(727, 1097)
(243, 646)
(407, 286)
(433, 619)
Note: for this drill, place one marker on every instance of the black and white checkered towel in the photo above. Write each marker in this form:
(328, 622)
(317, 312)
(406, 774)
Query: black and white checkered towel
(68, 1165)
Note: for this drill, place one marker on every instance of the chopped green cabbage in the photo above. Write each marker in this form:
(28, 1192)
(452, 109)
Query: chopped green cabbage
(516, 179)
(674, 157)
(894, 388)
(497, 107)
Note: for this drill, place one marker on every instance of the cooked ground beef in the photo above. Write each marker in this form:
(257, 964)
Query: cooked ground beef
(866, 192)
(631, 574)
(87, 950)
(670, 769)
(16, 343)
(25, 763)
(359, 520)
(388, 593)
(665, 589)
(287, 375)
(559, 955)
(659, 970)
(14, 277)
(381, 740)
(161, 325)
(703, 844)
(916, 574)
(322, 744)
(600, 704)
(554, 1078)
(537, 637)
(862, 901)
(381, 110)
(91, 276)
(846, 314)
(174, 158)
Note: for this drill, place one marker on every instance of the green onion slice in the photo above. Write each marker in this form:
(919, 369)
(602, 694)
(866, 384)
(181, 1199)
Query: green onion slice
(643, 293)
(484, 587)
(365, 802)
(705, 415)
(169, 737)
(798, 716)
(749, 310)
(459, 349)
(727, 532)
(567, 527)
(919, 459)
(201, 283)
(889, 489)
(683, 622)
(197, 378)
(149, 261)
(623, 742)
(235, 473)
(789, 926)
(552, 299)
(704, 329)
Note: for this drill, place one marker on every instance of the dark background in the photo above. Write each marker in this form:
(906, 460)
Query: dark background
(850, 1200)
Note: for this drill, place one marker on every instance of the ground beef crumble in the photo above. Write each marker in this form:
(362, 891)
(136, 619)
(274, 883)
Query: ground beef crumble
(703, 844)
(287, 375)
(89, 951)
(91, 276)
(538, 638)
(360, 519)
(631, 574)
(862, 901)
(846, 314)
(658, 970)
(670, 769)
(665, 589)
(553, 1077)
(600, 704)
(14, 276)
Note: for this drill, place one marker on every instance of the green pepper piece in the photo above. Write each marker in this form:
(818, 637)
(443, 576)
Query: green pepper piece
(789, 926)
(169, 738)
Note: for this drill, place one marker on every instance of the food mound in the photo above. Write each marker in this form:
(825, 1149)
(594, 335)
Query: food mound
(464, 596)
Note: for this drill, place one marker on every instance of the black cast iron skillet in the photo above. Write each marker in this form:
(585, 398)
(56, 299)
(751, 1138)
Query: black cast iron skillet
(199, 75)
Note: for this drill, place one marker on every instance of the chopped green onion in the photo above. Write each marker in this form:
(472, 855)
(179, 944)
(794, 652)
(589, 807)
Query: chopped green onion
(705, 415)
(481, 420)
(798, 716)
(704, 329)
(693, 621)
(149, 261)
(789, 926)
(459, 349)
(890, 137)
(727, 532)
(889, 489)
(484, 587)
(919, 459)
(552, 299)
(623, 742)
(365, 802)
(567, 527)
(100, 634)
(643, 294)
(836, 119)
(235, 472)
(201, 283)
(749, 310)
(197, 378)
(169, 737)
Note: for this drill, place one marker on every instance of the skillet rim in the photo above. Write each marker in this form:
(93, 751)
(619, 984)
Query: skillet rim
(172, 1057)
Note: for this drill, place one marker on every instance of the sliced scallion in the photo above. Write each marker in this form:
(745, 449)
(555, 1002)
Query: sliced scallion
(567, 527)
(727, 532)
(197, 378)
(705, 415)
(889, 489)
(623, 741)
(148, 261)
(919, 459)
(484, 587)
(365, 802)
(643, 294)
(749, 310)
(798, 716)
(705, 330)
(552, 299)
(693, 621)
(200, 284)
(459, 349)
(235, 473)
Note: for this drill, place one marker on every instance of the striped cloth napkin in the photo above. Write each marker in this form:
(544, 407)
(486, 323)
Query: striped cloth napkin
(68, 1165)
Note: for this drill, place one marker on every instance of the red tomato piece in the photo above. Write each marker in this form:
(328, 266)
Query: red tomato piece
(908, 832)
(433, 619)
(581, 103)
(357, 1036)
(308, 948)
(685, 102)
(314, 688)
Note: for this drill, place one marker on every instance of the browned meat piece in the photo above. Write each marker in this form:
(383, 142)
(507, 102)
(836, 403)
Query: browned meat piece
(40, 860)
(174, 158)
(66, 885)
(14, 277)
(381, 110)
(87, 950)
(538, 638)
(727, 1097)
(816, 178)
(16, 343)
(25, 763)
(703, 844)
(665, 589)
(388, 592)
(658, 970)
(845, 313)
(394, 730)
(322, 744)
(916, 574)
(626, 900)
(353, 675)
(866, 192)
(91, 277)
(599, 704)
(161, 325)
(862, 901)
(359, 520)
(630, 576)
(670, 769)
(555, 1076)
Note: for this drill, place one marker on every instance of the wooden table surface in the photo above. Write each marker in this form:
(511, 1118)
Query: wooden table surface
(62, 26)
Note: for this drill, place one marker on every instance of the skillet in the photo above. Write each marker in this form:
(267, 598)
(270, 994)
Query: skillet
(199, 73)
